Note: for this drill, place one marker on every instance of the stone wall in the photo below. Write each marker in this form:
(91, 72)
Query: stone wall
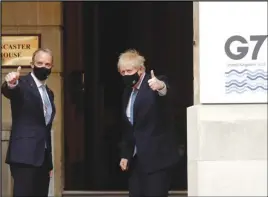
(227, 150)
(226, 144)
(44, 18)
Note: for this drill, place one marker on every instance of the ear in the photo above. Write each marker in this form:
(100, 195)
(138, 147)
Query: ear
(32, 65)
(141, 71)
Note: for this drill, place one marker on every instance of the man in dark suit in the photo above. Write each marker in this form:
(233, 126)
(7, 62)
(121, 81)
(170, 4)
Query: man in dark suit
(32, 105)
(148, 149)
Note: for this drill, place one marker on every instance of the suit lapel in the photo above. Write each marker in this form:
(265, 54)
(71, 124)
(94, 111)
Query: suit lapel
(140, 95)
(35, 91)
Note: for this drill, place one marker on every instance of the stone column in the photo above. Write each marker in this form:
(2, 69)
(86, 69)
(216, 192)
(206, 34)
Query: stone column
(226, 144)
(227, 150)
(6, 180)
(43, 18)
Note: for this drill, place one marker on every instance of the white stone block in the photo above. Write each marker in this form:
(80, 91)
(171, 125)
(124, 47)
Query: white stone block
(227, 150)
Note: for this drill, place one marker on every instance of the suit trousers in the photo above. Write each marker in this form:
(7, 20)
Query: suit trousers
(142, 184)
(30, 180)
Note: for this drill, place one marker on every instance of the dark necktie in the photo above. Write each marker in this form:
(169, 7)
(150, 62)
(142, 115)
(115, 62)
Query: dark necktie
(47, 105)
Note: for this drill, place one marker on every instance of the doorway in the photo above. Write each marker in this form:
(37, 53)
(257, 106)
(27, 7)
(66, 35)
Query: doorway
(95, 33)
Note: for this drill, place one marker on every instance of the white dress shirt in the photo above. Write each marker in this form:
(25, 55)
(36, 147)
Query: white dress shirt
(39, 84)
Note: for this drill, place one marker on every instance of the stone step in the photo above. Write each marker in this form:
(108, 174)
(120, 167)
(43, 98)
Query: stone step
(112, 194)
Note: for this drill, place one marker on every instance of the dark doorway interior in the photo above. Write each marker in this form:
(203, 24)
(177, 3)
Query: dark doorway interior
(95, 33)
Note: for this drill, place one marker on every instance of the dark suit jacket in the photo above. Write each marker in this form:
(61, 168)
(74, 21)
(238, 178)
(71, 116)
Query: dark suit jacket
(151, 131)
(29, 131)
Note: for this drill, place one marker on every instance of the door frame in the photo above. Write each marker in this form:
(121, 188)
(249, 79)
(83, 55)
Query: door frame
(76, 7)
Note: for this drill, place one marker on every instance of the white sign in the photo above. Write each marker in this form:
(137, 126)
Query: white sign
(233, 52)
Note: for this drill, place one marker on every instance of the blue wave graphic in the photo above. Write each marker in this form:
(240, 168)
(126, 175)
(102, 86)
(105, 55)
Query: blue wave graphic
(257, 87)
(247, 87)
(245, 80)
(247, 74)
(235, 81)
(246, 70)
(257, 77)
(244, 84)
(242, 91)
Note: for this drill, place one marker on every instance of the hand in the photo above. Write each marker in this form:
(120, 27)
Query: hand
(12, 77)
(50, 173)
(124, 164)
(154, 83)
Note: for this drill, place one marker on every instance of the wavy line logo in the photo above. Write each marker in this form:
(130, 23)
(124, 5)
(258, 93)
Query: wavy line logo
(246, 81)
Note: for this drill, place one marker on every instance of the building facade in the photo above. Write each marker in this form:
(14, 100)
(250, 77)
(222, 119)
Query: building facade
(204, 166)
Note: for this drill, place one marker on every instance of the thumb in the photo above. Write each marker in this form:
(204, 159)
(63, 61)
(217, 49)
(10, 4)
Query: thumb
(18, 71)
(152, 74)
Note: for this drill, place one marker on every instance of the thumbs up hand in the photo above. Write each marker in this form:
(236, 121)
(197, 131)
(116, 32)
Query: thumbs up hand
(154, 83)
(12, 77)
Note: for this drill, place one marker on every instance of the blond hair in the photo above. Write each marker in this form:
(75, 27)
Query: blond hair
(131, 57)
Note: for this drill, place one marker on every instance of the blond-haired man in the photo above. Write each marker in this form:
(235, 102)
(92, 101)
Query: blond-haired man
(33, 110)
(148, 150)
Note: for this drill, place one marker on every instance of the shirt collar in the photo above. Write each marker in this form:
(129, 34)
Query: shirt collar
(142, 77)
(37, 81)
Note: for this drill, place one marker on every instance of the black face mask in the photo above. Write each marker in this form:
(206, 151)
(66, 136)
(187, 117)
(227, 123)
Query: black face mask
(41, 73)
(131, 80)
